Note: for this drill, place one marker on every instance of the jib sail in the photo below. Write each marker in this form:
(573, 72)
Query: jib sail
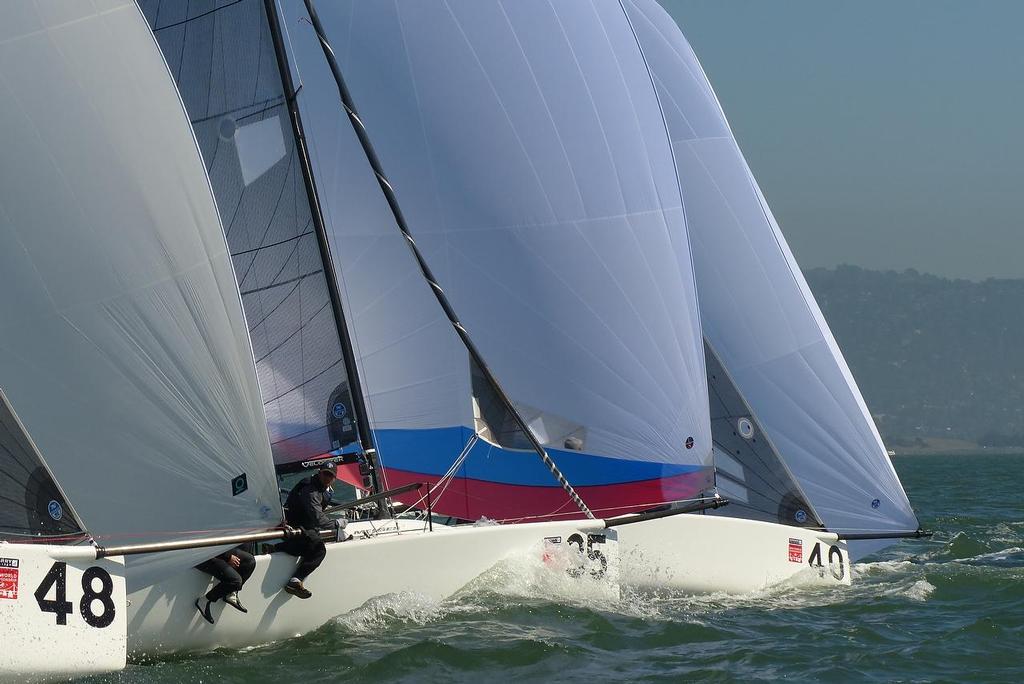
(757, 311)
(32, 505)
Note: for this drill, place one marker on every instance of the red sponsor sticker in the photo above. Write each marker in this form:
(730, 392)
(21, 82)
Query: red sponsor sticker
(8, 578)
(796, 550)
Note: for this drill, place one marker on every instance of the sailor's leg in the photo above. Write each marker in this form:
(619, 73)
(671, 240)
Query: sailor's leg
(229, 578)
(247, 565)
(311, 559)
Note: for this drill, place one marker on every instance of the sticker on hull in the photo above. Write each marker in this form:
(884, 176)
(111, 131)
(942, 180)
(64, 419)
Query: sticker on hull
(9, 578)
(796, 550)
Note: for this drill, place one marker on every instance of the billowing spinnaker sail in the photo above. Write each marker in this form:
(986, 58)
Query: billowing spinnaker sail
(529, 155)
(224, 63)
(757, 311)
(123, 346)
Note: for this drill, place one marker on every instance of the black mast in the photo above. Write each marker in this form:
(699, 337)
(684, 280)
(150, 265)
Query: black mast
(352, 372)
(442, 299)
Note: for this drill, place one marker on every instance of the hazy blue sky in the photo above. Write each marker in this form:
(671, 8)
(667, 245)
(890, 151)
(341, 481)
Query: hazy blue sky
(885, 133)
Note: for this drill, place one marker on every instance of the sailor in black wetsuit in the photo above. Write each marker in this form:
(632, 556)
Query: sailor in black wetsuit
(232, 568)
(305, 510)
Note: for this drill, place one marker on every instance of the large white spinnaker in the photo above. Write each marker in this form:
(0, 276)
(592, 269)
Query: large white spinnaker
(415, 370)
(527, 150)
(123, 347)
(757, 311)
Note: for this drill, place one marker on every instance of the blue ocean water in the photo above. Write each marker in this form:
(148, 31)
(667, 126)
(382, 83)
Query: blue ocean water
(950, 608)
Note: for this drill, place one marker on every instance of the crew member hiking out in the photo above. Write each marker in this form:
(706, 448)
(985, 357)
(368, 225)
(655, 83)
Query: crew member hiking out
(232, 568)
(304, 509)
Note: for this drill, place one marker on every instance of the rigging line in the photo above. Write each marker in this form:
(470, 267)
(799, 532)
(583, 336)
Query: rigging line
(608, 508)
(766, 505)
(273, 214)
(442, 299)
(24, 538)
(303, 434)
(283, 282)
(275, 244)
(277, 306)
(287, 261)
(271, 103)
(259, 55)
(303, 383)
(449, 475)
(557, 513)
(364, 431)
(198, 16)
(766, 466)
(763, 479)
(456, 466)
(457, 463)
(184, 39)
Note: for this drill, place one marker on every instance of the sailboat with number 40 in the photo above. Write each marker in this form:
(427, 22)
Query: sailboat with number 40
(578, 396)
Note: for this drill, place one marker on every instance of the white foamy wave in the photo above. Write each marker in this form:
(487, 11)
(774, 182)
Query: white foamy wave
(385, 611)
(919, 590)
(881, 568)
(554, 575)
(994, 555)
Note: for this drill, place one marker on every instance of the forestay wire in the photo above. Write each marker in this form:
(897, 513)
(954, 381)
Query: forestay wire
(442, 299)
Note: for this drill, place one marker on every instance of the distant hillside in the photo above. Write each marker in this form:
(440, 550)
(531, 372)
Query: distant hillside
(935, 358)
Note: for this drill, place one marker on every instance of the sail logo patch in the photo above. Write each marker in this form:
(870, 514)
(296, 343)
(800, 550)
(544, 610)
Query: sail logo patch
(55, 510)
(8, 578)
(239, 484)
(339, 410)
(796, 550)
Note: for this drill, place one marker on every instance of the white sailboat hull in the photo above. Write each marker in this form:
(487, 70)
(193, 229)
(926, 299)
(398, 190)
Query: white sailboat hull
(162, 618)
(685, 553)
(706, 554)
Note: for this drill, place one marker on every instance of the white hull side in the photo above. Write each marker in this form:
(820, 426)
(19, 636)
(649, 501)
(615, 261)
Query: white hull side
(705, 554)
(163, 619)
(686, 553)
(61, 612)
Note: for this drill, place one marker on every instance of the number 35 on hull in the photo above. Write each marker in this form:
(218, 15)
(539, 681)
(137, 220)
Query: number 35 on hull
(61, 610)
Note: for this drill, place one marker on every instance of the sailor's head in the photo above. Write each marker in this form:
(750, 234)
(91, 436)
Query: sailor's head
(327, 475)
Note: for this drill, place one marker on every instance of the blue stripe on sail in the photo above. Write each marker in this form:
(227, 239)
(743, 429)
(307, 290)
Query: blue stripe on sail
(432, 452)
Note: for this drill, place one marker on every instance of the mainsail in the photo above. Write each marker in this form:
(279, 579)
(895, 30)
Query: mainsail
(757, 311)
(123, 346)
(542, 192)
(223, 59)
(748, 470)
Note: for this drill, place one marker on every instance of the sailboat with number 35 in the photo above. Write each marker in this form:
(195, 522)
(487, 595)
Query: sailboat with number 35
(496, 262)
